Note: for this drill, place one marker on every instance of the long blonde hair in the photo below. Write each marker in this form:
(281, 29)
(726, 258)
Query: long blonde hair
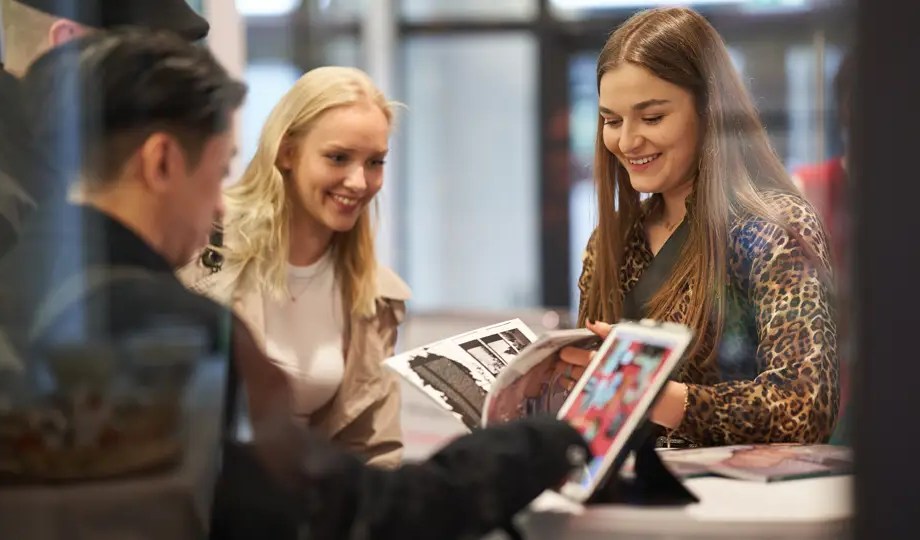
(737, 165)
(258, 208)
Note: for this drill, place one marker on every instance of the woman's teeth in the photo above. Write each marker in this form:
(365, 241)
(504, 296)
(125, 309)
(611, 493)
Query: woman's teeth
(347, 201)
(644, 160)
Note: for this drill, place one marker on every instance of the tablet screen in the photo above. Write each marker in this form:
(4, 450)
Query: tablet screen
(616, 391)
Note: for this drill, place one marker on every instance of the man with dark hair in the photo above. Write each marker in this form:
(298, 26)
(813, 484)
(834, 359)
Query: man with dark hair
(31, 27)
(153, 115)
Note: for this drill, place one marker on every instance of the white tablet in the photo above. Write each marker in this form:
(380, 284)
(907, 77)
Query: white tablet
(616, 391)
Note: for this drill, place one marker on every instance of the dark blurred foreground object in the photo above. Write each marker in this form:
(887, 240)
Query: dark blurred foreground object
(887, 295)
(173, 15)
(16, 158)
(26, 178)
(473, 486)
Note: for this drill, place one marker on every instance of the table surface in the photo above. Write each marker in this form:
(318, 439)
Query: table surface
(807, 508)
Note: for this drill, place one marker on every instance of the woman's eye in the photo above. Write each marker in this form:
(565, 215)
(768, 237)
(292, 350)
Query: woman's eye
(613, 122)
(338, 159)
(653, 119)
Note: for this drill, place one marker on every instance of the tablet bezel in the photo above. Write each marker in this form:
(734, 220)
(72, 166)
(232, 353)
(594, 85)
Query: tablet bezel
(677, 338)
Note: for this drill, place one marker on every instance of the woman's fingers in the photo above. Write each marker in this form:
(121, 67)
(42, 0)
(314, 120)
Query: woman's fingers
(576, 356)
(602, 329)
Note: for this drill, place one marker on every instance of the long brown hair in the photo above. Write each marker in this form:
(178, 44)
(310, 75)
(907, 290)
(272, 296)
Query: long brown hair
(736, 165)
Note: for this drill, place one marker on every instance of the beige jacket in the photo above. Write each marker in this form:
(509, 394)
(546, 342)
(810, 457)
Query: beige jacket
(364, 415)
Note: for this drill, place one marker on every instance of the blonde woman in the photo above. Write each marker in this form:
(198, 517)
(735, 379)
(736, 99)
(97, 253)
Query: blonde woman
(297, 259)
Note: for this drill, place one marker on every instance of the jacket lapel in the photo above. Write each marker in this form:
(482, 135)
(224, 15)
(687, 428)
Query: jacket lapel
(367, 344)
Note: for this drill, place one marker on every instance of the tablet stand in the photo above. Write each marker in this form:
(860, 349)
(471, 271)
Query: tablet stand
(653, 484)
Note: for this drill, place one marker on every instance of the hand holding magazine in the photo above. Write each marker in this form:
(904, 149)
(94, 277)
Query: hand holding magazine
(464, 373)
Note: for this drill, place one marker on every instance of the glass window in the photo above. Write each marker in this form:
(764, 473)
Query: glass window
(430, 10)
(268, 81)
(809, 105)
(277, 8)
(738, 60)
(338, 10)
(470, 171)
(343, 50)
(580, 9)
(582, 134)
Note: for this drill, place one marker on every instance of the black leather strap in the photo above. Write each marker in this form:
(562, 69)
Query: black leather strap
(211, 258)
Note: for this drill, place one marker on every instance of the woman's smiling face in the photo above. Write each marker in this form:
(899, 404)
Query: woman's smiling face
(651, 126)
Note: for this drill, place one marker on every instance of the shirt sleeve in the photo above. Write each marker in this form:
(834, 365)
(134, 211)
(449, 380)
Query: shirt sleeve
(794, 397)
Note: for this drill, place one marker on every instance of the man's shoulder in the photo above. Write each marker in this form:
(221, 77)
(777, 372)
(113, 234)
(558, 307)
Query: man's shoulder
(132, 288)
(113, 303)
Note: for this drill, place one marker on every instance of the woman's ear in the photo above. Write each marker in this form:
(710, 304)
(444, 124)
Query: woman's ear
(287, 154)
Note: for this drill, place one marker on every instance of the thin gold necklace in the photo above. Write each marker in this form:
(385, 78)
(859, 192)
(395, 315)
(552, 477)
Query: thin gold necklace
(671, 227)
(308, 279)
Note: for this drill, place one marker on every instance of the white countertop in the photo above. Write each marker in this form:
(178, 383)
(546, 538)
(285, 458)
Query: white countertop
(808, 508)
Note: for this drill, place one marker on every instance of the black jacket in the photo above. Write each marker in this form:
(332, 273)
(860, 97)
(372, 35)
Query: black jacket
(26, 179)
(288, 483)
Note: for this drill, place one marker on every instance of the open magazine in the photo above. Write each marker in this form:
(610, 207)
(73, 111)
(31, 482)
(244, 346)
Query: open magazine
(465, 374)
(760, 462)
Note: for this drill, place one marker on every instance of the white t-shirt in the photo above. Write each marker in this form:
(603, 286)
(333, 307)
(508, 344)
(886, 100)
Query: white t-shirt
(304, 331)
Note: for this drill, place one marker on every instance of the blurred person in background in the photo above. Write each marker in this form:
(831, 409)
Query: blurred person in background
(31, 27)
(154, 118)
(298, 264)
(825, 185)
(725, 244)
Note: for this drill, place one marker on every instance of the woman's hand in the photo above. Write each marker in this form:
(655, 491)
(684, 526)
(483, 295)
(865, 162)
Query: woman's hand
(575, 360)
(668, 410)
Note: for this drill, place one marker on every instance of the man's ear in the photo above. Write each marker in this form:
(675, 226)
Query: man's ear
(161, 162)
(64, 30)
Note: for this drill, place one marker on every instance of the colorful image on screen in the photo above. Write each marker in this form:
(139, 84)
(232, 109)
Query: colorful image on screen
(611, 394)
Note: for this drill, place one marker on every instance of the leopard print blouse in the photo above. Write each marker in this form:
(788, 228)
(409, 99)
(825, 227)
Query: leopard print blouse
(775, 375)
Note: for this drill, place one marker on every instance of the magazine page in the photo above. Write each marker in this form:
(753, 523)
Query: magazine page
(458, 372)
(774, 462)
(685, 463)
(528, 385)
(426, 425)
(762, 462)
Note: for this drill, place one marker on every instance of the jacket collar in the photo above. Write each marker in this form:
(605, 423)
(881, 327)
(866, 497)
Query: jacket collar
(122, 246)
(390, 286)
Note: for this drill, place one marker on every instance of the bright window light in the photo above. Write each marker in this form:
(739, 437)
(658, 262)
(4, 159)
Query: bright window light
(262, 8)
(611, 4)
